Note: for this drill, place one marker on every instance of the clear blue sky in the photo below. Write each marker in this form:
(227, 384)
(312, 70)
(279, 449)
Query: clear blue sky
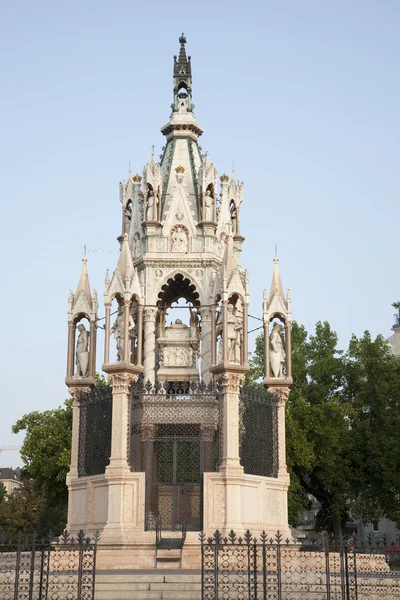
(303, 96)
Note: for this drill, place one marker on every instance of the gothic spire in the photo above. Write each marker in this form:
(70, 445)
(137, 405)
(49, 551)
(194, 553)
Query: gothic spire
(182, 80)
(276, 283)
(83, 284)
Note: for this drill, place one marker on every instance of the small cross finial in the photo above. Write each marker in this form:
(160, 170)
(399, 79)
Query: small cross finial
(84, 251)
(129, 165)
(276, 250)
(153, 148)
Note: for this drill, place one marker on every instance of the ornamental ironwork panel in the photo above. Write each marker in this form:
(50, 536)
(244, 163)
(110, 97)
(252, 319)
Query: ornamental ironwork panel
(270, 568)
(95, 422)
(60, 568)
(170, 408)
(174, 479)
(258, 432)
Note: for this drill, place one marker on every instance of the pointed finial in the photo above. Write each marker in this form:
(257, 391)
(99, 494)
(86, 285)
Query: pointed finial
(153, 148)
(182, 39)
(84, 252)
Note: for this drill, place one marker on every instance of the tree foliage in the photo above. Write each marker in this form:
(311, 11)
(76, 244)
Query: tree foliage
(343, 426)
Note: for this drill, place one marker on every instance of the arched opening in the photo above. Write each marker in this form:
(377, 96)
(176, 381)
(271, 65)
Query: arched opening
(178, 330)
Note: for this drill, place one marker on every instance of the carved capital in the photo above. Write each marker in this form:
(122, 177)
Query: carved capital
(76, 392)
(231, 383)
(149, 314)
(147, 430)
(281, 395)
(205, 313)
(121, 381)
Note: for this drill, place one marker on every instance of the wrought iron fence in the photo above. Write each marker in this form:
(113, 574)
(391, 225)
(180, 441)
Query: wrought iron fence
(249, 568)
(60, 568)
(95, 421)
(258, 432)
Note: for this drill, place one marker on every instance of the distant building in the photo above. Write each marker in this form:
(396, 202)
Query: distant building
(394, 340)
(9, 478)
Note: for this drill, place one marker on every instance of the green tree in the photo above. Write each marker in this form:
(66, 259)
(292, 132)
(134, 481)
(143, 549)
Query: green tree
(340, 408)
(46, 451)
(22, 511)
(372, 385)
(3, 492)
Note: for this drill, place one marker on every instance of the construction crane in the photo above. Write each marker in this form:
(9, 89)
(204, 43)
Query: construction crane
(7, 448)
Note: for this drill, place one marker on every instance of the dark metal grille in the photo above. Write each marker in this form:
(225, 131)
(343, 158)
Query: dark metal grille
(258, 432)
(95, 423)
(174, 478)
(235, 568)
(174, 409)
(53, 569)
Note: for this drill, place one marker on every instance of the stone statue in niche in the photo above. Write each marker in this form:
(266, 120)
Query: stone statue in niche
(152, 202)
(277, 351)
(82, 352)
(179, 240)
(234, 219)
(234, 328)
(194, 324)
(127, 217)
(136, 245)
(118, 329)
(208, 206)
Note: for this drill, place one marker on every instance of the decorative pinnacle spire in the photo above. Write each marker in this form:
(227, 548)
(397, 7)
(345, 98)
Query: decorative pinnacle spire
(276, 284)
(182, 79)
(83, 284)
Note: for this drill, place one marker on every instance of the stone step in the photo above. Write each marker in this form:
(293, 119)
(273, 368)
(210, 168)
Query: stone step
(164, 594)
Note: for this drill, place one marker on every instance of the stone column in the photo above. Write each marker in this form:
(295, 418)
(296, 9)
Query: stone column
(149, 358)
(73, 470)
(245, 349)
(288, 336)
(139, 357)
(118, 469)
(71, 349)
(126, 357)
(205, 344)
(230, 464)
(225, 331)
(266, 350)
(107, 335)
(281, 398)
(120, 407)
(213, 337)
(92, 346)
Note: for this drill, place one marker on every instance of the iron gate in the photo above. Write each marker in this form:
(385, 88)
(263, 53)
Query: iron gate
(174, 468)
(263, 568)
(56, 568)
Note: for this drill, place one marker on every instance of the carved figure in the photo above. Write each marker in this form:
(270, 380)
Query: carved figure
(208, 211)
(194, 324)
(127, 217)
(151, 211)
(277, 352)
(118, 329)
(234, 328)
(136, 245)
(82, 352)
(179, 240)
(220, 351)
(234, 220)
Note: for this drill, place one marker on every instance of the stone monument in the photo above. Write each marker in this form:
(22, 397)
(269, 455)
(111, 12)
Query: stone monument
(177, 444)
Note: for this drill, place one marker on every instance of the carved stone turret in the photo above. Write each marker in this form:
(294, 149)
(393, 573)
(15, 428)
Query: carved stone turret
(82, 306)
(277, 348)
(128, 326)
